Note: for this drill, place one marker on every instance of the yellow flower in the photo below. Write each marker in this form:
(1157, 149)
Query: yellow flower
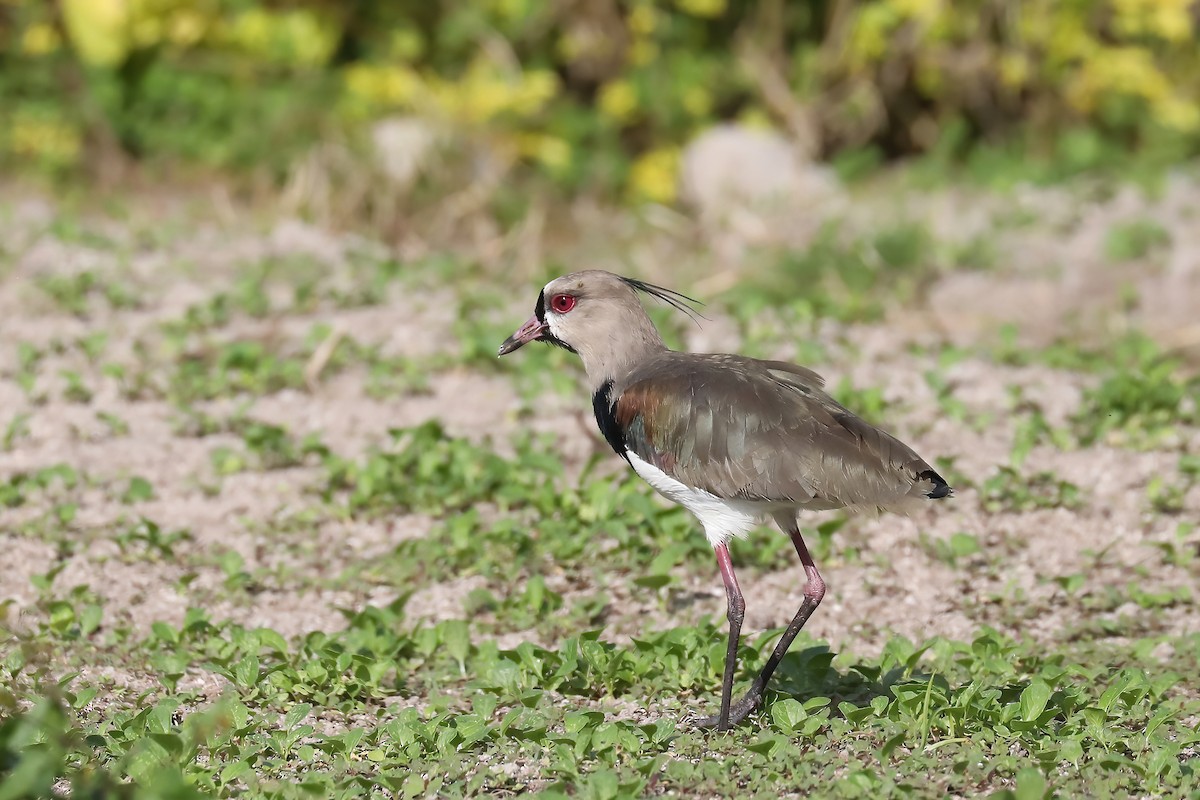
(39, 39)
(1169, 19)
(551, 151)
(251, 30)
(41, 138)
(642, 20)
(147, 31)
(407, 44)
(486, 91)
(1128, 71)
(618, 100)
(305, 37)
(98, 29)
(290, 37)
(654, 175)
(1068, 43)
(1173, 20)
(869, 35)
(754, 117)
(388, 86)
(709, 9)
(928, 75)
(510, 10)
(1178, 114)
(642, 52)
(1014, 70)
(535, 89)
(920, 10)
(697, 101)
(186, 28)
(570, 46)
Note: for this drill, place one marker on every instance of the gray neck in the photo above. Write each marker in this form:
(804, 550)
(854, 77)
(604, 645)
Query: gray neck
(611, 357)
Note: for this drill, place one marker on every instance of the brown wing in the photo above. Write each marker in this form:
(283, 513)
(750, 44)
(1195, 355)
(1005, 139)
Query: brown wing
(763, 430)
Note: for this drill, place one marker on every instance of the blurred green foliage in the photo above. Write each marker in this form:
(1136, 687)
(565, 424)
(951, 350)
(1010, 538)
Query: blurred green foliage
(598, 93)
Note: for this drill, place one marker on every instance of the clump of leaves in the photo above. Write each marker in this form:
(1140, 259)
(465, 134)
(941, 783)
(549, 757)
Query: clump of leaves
(1134, 240)
(241, 366)
(960, 545)
(868, 403)
(1139, 405)
(423, 469)
(845, 277)
(17, 489)
(981, 713)
(74, 293)
(266, 447)
(1013, 490)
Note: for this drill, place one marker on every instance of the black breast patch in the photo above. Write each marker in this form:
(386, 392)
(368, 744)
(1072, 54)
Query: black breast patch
(604, 407)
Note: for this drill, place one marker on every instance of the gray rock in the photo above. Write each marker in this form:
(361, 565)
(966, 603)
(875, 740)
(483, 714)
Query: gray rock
(752, 186)
(404, 147)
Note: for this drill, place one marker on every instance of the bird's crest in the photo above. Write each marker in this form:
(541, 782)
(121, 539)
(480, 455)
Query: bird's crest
(668, 296)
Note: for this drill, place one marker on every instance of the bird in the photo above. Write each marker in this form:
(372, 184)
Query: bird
(737, 441)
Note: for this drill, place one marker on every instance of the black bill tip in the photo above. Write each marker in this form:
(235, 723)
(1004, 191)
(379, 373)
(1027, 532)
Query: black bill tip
(533, 330)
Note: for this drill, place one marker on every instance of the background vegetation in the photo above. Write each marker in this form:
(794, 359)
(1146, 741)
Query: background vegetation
(597, 94)
(276, 523)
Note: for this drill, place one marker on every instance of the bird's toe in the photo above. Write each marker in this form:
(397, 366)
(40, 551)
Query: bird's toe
(737, 714)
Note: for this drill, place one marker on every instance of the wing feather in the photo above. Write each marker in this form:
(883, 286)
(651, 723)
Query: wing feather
(763, 430)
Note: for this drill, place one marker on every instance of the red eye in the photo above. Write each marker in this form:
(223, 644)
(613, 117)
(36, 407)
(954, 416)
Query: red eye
(562, 303)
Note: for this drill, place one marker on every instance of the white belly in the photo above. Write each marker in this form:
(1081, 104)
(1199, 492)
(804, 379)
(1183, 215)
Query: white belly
(722, 519)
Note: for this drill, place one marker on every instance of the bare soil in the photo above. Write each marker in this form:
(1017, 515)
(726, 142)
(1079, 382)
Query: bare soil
(1051, 279)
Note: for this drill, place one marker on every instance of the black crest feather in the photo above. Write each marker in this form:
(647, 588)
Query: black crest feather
(668, 296)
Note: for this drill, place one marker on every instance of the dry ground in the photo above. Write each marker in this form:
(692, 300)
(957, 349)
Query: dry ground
(1052, 275)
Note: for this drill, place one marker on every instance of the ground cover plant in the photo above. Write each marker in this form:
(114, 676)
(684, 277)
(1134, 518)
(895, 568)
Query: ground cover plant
(277, 524)
(601, 98)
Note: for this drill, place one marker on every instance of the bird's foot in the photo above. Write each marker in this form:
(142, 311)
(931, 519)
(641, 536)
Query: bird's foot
(737, 712)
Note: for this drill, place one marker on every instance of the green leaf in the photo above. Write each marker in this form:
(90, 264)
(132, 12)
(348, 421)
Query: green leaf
(603, 785)
(295, 714)
(245, 673)
(652, 581)
(1070, 750)
(85, 696)
(891, 744)
(484, 705)
(32, 776)
(767, 745)
(350, 739)
(471, 728)
(236, 770)
(457, 639)
(62, 614)
(576, 721)
(169, 742)
(165, 632)
(272, 640)
(1033, 700)
(139, 490)
(89, 618)
(1031, 784)
(788, 714)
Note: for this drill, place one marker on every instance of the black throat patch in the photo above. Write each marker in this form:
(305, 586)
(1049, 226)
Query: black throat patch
(604, 407)
(539, 311)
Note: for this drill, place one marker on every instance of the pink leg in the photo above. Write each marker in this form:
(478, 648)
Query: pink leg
(736, 613)
(813, 592)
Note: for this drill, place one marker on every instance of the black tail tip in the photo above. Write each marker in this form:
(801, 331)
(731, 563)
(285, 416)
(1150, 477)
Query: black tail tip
(940, 487)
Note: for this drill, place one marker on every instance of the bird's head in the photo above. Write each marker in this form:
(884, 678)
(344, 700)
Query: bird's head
(598, 315)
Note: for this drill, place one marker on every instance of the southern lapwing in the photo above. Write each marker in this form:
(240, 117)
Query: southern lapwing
(735, 440)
